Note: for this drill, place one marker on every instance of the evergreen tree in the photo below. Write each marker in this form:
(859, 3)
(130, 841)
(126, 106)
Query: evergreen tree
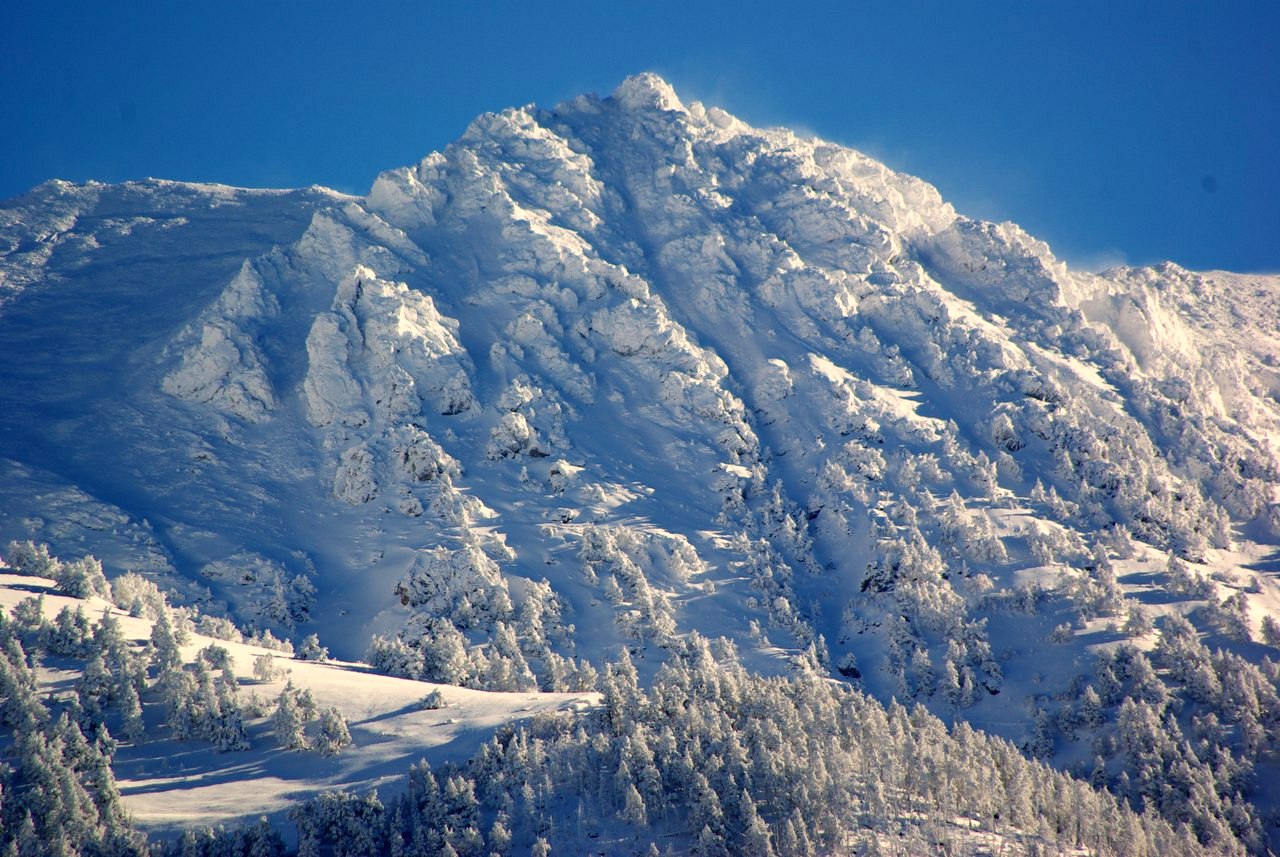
(1271, 631)
(394, 656)
(265, 668)
(31, 559)
(29, 623)
(1091, 707)
(262, 840)
(93, 690)
(71, 634)
(228, 728)
(334, 735)
(508, 669)
(166, 653)
(633, 810)
(132, 727)
(82, 578)
(500, 838)
(311, 650)
(177, 689)
(288, 720)
(444, 654)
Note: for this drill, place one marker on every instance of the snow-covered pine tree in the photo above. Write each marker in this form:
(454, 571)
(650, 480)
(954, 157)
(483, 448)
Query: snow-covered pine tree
(289, 721)
(333, 736)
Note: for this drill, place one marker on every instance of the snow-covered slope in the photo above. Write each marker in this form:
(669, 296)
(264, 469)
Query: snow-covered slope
(694, 375)
(167, 782)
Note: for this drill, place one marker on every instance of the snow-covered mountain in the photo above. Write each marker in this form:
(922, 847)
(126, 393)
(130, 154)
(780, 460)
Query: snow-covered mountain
(602, 375)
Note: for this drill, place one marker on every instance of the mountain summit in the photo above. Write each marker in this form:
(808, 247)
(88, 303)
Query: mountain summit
(608, 374)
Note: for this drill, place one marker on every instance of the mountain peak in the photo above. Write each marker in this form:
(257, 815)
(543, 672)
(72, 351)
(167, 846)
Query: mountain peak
(647, 91)
(613, 378)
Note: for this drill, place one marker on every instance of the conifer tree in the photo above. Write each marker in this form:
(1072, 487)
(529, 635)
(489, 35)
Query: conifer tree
(166, 653)
(71, 634)
(93, 690)
(132, 727)
(29, 623)
(633, 810)
(265, 668)
(288, 720)
(311, 650)
(444, 654)
(82, 578)
(334, 735)
(1271, 631)
(228, 729)
(500, 838)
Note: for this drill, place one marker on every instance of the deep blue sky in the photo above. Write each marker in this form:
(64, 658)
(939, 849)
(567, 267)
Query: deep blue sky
(1116, 131)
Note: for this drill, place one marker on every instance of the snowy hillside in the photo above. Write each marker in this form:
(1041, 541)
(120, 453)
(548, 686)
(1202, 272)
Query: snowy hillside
(169, 780)
(117, 728)
(599, 376)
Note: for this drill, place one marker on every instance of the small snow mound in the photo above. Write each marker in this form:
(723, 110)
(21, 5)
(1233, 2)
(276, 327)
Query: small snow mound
(647, 91)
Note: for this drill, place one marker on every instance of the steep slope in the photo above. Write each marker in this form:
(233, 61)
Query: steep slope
(694, 375)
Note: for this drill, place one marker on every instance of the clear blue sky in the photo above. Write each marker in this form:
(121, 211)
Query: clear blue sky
(1117, 131)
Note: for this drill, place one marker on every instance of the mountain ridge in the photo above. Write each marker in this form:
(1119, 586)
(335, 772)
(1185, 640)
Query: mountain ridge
(695, 376)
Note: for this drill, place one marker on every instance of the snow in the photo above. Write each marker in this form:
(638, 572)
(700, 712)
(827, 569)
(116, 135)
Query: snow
(224, 367)
(750, 365)
(166, 784)
(644, 91)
